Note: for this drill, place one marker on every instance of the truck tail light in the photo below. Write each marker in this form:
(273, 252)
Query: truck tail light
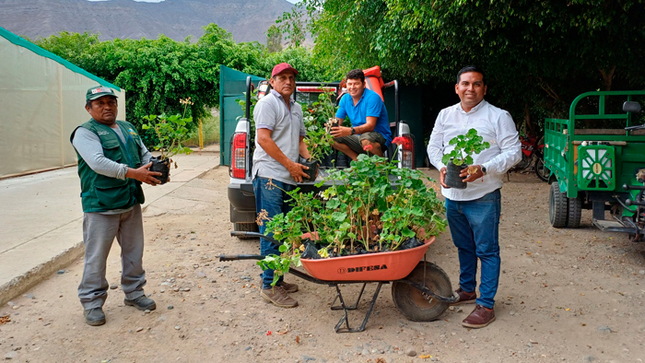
(238, 156)
(406, 149)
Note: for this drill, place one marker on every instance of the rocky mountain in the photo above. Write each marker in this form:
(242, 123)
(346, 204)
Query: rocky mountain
(247, 20)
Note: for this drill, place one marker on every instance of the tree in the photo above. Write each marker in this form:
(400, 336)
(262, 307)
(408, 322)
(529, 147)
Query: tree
(292, 25)
(274, 39)
(158, 73)
(69, 46)
(538, 53)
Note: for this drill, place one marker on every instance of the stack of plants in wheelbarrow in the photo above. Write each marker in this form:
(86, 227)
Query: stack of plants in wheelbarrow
(372, 207)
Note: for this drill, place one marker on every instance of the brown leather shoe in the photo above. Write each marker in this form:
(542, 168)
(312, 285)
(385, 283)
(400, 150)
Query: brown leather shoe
(479, 318)
(278, 297)
(465, 297)
(289, 287)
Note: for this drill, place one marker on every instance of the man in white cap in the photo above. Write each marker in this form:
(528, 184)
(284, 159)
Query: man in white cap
(278, 144)
(112, 164)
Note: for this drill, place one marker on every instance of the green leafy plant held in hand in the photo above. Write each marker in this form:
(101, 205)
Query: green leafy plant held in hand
(171, 132)
(465, 146)
(319, 119)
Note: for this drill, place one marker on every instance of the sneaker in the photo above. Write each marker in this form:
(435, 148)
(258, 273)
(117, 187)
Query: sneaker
(464, 297)
(479, 318)
(94, 317)
(278, 297)
(141, 303)
(289, 287)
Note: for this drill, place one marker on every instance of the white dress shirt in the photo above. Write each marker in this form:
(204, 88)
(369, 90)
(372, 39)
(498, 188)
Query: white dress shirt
(496, 126)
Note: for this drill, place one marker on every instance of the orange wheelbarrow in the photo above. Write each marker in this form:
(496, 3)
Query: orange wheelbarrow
(421, 290)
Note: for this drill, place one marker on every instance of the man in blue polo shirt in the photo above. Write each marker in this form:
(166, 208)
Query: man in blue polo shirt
(370, 126)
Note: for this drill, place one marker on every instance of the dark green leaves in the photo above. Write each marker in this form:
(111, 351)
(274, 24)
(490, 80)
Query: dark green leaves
(465, 146)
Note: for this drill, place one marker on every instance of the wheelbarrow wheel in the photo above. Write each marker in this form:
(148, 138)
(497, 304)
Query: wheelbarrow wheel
(416, 305)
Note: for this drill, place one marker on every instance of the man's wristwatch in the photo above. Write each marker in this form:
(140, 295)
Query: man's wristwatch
(353, 131)
(483, 169)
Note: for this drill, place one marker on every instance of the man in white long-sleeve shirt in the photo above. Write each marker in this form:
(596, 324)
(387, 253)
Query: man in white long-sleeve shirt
(112, 164)
(473, 213)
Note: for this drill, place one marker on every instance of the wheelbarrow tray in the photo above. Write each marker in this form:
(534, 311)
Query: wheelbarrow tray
(380, 266)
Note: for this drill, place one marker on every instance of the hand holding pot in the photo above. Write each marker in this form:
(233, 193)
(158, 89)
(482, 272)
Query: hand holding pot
(297, 172)
(442, 177)
(143, 175)
(340, 131)
(472, 173)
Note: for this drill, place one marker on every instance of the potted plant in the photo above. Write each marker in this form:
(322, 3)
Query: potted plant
(171, 131)
(461, 157)
(318, 122)
(361, 213)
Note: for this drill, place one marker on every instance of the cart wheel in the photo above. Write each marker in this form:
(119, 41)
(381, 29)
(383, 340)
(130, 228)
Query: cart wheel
(575, 211)
(558, 206)
(414, 304)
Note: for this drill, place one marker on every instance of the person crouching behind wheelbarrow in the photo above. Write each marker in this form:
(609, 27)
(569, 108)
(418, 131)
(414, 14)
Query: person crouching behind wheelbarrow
(473, 213)
(278, 143)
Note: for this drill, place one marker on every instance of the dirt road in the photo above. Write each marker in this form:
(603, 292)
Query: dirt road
(564, 296)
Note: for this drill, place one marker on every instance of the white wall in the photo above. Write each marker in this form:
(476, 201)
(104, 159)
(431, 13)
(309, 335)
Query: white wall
(41, 103)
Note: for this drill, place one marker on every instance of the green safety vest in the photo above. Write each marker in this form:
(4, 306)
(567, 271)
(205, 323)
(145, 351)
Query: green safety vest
(100, 193)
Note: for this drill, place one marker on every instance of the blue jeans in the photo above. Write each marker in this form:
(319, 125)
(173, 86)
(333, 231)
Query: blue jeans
(474, 226)
(274, 201)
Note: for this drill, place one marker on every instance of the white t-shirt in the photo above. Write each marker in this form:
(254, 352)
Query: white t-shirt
(496, 127)
(286, 128)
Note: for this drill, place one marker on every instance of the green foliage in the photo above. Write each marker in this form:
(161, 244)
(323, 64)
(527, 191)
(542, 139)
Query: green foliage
(171, 132)
(318, 121)
(538, 55)
(210, 132)
(465, 147)
(157, 73)
(274, 39)
(361, 211)
(292, 25)
(69, 46)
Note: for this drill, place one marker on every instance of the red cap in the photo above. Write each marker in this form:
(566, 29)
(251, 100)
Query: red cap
(281, 68)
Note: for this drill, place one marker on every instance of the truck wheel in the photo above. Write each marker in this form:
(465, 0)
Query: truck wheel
(246, 227)
(575, 211)
(558, 207)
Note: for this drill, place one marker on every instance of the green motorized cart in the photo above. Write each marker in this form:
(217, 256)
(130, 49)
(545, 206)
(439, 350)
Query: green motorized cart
(596, 160)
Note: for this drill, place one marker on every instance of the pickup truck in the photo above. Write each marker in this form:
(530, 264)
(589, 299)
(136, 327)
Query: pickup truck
(240, 188)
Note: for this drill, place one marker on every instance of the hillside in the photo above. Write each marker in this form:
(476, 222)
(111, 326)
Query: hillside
(247, 20)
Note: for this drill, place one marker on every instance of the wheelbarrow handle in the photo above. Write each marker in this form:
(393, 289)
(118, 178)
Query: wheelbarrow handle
(255, 234)
(240, 257)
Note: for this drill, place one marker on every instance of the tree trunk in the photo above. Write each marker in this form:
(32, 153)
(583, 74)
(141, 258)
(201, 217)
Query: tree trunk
(607, 77)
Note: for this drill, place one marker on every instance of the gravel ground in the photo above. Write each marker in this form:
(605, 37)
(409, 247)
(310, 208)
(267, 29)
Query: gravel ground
(565, 295)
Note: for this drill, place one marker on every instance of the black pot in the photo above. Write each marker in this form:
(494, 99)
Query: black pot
(453, 179)
(334, 123)
(342, 160)
(162, 166)
(410, 243)
(313, 169)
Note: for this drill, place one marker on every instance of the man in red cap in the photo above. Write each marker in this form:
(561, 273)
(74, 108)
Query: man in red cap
(278, 145)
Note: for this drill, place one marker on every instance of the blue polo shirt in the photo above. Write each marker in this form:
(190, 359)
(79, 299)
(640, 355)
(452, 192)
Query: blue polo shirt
(371, 105)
